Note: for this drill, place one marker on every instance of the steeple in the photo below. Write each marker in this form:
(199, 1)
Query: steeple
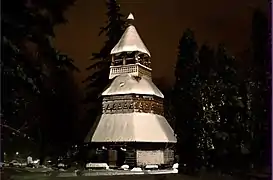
(130, 40)
(130, 17)
(130, 53)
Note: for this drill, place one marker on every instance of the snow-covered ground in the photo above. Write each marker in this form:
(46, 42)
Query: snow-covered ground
(124, 172)
(71, 173)
(40, 174)
(35, 176)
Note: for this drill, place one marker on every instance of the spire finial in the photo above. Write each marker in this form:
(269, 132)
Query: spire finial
(130, 17)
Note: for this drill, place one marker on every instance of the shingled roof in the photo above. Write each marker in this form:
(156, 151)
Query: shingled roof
(131, 127)
(128, 84)
(130, 41)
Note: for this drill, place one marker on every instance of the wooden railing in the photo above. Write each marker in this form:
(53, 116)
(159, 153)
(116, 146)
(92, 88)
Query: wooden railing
(134, 69)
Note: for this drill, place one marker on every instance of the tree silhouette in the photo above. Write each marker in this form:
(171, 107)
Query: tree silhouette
(186, 102)
(30, 66)
(258, 85)
(100, 66)
(222, 119)
(208, 106)
(208, 114)
(230, 129)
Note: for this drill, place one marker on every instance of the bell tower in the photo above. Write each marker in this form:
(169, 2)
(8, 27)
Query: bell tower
(130, 55)
(132, 114)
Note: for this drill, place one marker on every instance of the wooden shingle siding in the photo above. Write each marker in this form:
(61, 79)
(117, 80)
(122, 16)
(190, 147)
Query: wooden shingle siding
(130, 158)
(168, 156)
(150, 157)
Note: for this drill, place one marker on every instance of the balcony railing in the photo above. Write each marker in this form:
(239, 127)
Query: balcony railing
(133, 69)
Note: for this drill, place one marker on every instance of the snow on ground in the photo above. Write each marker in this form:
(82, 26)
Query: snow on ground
(20, 173)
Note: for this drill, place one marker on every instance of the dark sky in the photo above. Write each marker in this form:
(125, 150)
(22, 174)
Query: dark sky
(160, 24)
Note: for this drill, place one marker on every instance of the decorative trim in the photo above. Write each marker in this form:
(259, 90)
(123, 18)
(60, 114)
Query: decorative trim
(132, 103)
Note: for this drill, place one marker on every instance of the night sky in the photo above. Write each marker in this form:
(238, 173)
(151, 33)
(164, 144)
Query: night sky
(160, 24)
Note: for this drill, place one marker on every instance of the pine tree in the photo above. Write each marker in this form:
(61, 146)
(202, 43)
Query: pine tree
(258, 84)
(221, 115)
(230, 129)
(100, 67)
(186, 102)
(209, 115)
(30, 66)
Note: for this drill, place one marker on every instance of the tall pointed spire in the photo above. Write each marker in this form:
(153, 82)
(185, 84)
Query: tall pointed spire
(130, 40)
(130, 55)
(130, 17)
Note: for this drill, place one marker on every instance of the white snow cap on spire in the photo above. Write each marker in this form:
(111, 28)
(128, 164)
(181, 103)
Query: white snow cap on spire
(130, 41)
(130, 17)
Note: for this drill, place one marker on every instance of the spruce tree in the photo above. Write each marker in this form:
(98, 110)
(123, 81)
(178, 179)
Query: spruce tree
(229, 105)
(29, 68)
(100, 66)
(186, 102)
(209, 115)
(258, 84)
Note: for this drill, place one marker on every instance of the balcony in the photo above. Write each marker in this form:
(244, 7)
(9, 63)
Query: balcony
(132, 69)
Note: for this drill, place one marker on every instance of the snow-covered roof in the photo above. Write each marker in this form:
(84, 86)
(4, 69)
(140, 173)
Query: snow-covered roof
(131, 127)
(130, 41)
(128, 84)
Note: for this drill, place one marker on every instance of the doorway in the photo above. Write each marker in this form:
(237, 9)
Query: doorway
(121, 157)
